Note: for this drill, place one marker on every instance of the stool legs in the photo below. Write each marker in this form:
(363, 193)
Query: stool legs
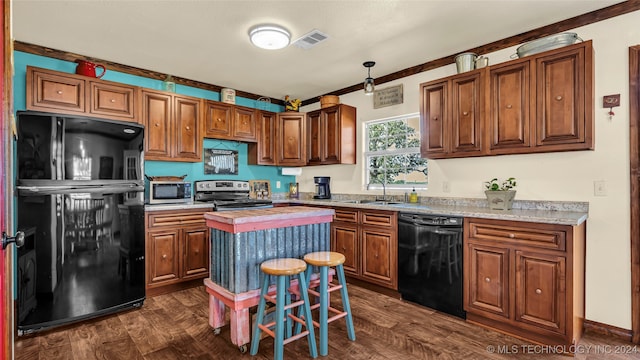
(257, 332)
(324, 311)
(345, 303)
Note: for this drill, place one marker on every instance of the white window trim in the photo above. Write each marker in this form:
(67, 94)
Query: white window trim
(377, 186)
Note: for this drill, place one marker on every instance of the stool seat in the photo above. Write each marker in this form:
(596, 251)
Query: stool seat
(285, 266)
(324, 258)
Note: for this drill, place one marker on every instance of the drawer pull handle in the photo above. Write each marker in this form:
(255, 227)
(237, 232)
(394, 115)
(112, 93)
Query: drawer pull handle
(538, 291)
(509, 106)
(488, 280)
(558, 98)
(113, 100)
(59, 92)
(164, 256)
(512, 236)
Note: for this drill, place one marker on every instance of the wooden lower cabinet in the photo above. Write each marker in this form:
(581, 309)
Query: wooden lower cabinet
(177, 248)
(526, 279)
(369, 240)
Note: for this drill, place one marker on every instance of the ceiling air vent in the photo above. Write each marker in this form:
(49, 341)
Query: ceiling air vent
(311, 39)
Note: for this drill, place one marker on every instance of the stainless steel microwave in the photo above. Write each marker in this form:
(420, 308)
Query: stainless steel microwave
(168, 192)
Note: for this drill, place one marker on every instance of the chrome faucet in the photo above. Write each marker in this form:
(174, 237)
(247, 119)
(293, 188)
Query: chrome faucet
(384, 191)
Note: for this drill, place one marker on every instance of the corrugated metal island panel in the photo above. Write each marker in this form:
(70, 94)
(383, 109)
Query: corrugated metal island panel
(236, 258)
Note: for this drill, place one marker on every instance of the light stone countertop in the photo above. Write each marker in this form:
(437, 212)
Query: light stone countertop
(550, 212)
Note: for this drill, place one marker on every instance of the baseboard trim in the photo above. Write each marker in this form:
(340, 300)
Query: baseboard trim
(607, 330)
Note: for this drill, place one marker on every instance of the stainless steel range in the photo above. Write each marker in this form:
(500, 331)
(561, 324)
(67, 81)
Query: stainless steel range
(228, 195)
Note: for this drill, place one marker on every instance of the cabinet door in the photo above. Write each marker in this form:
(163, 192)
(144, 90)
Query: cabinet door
(264, 151)
(195, 252)
(510, 109)
(466, 113)
(291, 137)
(487, 280)
(188, 142)
(540, 290)
(344, 239)
(379, 257)
(314, 126)
(156, 116)
(433, 112)
(218, 120)
(331, 129)
(48, 91)
(163, 263)
(563, 115)
(244, 124)
(113, 101)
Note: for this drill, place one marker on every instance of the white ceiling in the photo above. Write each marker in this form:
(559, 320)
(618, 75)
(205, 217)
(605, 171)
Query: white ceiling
(207, 40)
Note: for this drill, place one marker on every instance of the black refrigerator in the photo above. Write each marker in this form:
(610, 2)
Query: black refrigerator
(80, 202)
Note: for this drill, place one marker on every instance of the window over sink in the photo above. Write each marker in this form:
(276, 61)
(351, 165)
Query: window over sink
(392, 153)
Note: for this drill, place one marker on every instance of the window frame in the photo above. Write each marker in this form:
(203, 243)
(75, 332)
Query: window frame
(366, 154)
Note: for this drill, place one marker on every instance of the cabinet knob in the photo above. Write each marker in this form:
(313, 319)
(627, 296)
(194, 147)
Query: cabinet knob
(509, 106)
(218, 119)
(376, 256)
(343, 248)
(113, 100)
(538, 291)
(188, 128)
(558, 97)
(197, 251)
(465, 113)
(488, 280)
(157, 124)
(512, 236)
(164, 256)
(59, 92)
(435, 118)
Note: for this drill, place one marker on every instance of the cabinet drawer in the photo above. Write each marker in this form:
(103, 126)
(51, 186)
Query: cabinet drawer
(115, 101)
(385, 219)
(49, 91)
(538, 236)
(161, 219)
(346, 215)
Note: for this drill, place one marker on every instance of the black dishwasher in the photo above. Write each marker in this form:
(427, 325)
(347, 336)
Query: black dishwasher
(430, 261)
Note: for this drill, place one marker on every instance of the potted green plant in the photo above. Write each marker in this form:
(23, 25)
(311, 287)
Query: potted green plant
(500, 194)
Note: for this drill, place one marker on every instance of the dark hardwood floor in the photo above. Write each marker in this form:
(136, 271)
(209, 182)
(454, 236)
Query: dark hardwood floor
(175, 326)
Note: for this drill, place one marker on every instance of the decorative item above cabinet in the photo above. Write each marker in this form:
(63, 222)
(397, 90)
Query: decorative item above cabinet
(505, 109)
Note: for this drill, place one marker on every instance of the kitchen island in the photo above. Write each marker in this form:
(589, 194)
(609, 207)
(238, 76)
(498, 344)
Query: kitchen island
(240, 241)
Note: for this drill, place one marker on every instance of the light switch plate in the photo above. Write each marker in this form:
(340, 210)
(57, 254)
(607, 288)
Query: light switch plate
(600, 188)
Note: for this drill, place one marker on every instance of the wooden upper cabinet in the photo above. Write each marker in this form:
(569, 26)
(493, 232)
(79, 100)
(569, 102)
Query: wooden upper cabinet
(511, 111)
(245, 124)
(263, 152)
(218, 119)
(63, 93)
(172, 126)
(539, 103)
(52, 91)
(452, 111)
(113, 101)
(230, 122)
(291, 136)
(332, 135)
(188, 140)
(156, 117)
(565, 103)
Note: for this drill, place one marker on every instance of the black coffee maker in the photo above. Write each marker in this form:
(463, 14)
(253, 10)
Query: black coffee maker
(322, 187)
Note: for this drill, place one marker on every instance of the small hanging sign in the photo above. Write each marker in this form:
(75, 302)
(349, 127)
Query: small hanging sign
(388, 96)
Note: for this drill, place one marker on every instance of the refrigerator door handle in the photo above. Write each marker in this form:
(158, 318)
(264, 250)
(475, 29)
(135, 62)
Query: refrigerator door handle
(52, 190)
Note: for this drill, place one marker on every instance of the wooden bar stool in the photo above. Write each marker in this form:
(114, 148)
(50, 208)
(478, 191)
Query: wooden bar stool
(282, 269)
(324, 260)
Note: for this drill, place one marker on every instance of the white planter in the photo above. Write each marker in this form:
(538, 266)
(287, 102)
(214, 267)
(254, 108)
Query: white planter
(500, 200)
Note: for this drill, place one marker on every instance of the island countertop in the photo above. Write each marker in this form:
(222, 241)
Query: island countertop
(260, 219)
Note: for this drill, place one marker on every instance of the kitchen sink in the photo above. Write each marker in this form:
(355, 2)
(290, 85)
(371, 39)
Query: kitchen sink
(372, 202)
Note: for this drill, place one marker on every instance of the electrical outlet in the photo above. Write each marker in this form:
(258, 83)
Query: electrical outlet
(446, 187)
(600, 188)
(277, 184)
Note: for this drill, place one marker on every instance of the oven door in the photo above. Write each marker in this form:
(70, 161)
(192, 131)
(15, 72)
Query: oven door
(242, 205)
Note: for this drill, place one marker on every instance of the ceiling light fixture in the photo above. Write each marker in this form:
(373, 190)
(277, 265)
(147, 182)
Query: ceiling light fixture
(270, 37)
(369, 86)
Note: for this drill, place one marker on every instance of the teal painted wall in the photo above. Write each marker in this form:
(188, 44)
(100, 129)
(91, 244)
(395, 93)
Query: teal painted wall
(194, 171)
